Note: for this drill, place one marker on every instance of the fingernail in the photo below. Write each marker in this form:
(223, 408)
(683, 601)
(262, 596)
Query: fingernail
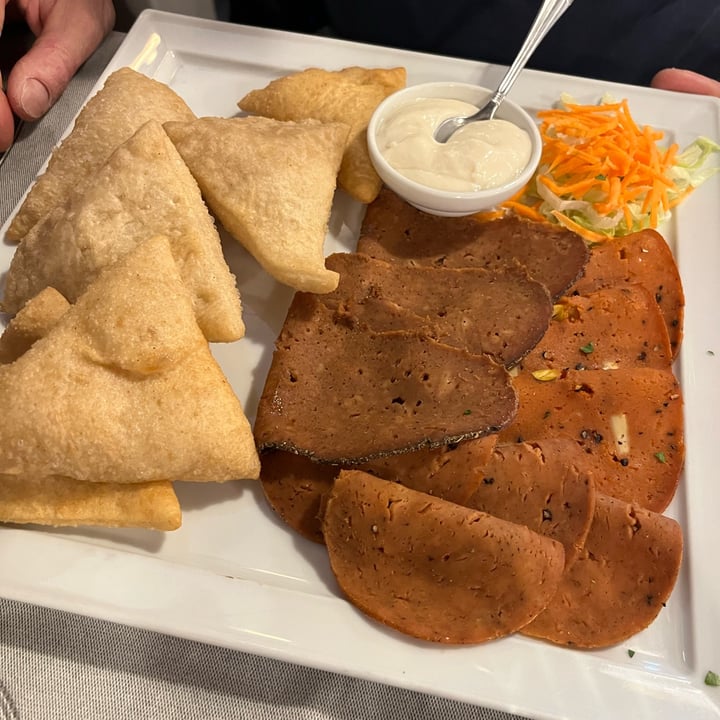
(34, 98)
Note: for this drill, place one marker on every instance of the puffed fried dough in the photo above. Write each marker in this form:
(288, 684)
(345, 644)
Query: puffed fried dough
(620, 582)
(628, 422)
(616, 326)
(65, 502)
(143, 189)
(127, 100)
(124, 388)
(271, 184)
(32, 322)
(373, 394)
(433, 569)
(347, 96)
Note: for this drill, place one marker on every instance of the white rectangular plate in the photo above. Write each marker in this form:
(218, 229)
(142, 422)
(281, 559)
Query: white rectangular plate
(236, 576)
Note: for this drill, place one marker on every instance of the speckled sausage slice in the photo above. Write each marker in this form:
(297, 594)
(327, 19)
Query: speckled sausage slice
(295, 486)
(628, 422)
(432, 569)
(503, 313)
(608, 329)
(619, 584)
(542, 486)
(340, 393)
(395, 231)
(643, 258)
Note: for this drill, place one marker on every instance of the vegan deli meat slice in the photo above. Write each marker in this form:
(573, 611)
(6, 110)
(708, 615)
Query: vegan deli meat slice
(295, 485)
(620, 582)
(615, 327)
(127, 100)
(627, 424)
(501, 313)
(643, 258)
(341, 393)
(395, 231)
(539, 486)
(433, 569)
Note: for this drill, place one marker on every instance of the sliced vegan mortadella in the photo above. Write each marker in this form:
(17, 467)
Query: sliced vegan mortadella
(395, 231)
(503, 313)
(628, 422)
(614, 327)
(540, 485)
(433, 569)
(341, 393)
(644, 258)
(621, 581)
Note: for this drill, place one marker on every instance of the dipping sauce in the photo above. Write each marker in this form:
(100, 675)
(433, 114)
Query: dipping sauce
(478, 156)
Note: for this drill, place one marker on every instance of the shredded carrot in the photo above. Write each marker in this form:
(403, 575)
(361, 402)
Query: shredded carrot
(525, 210)
(588, 235)
(599, 154)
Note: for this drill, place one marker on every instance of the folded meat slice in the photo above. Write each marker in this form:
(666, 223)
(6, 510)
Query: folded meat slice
(339, 392)
(433, 569)
(543, 486)
(621, 581)
(628, 422)
(642, 258)
(395, 231)
(610, 328)
(503, 313)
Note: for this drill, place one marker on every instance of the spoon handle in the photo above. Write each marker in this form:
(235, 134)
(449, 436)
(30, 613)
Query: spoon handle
(547, 16)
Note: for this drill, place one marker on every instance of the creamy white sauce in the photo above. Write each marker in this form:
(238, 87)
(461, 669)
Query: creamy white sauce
(478, 156)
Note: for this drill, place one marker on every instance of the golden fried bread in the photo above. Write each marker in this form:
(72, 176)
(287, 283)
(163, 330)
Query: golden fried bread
(65, 502)
(347, 96)
(143, 189)
(124, 387)
(271, 185)
(127, 100)
(33, 321)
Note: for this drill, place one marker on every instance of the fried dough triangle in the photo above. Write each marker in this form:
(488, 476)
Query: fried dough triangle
(127, 100)
(348, 96)
(271, 184)
(124, 388)
(144, 189)
(61, 501)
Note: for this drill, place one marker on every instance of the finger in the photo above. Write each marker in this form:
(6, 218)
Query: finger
(69, 36)
(7, 124)
(685, 81)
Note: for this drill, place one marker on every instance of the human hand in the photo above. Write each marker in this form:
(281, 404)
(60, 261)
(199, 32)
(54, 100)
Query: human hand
(67, 32)
(685, 81)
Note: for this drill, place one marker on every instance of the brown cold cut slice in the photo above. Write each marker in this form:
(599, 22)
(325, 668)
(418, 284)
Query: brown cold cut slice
(433, 569)
(620, 582)
(395, 231)
(541, 486)
(339, 393)
(611, 328)
(642, 258)
(628, 422)
(503, 313)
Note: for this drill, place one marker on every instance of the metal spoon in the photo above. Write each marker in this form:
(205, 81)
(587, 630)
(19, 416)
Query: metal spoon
(547, 16)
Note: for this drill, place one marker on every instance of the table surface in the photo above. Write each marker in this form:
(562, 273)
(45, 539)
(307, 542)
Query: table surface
(59, 665)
